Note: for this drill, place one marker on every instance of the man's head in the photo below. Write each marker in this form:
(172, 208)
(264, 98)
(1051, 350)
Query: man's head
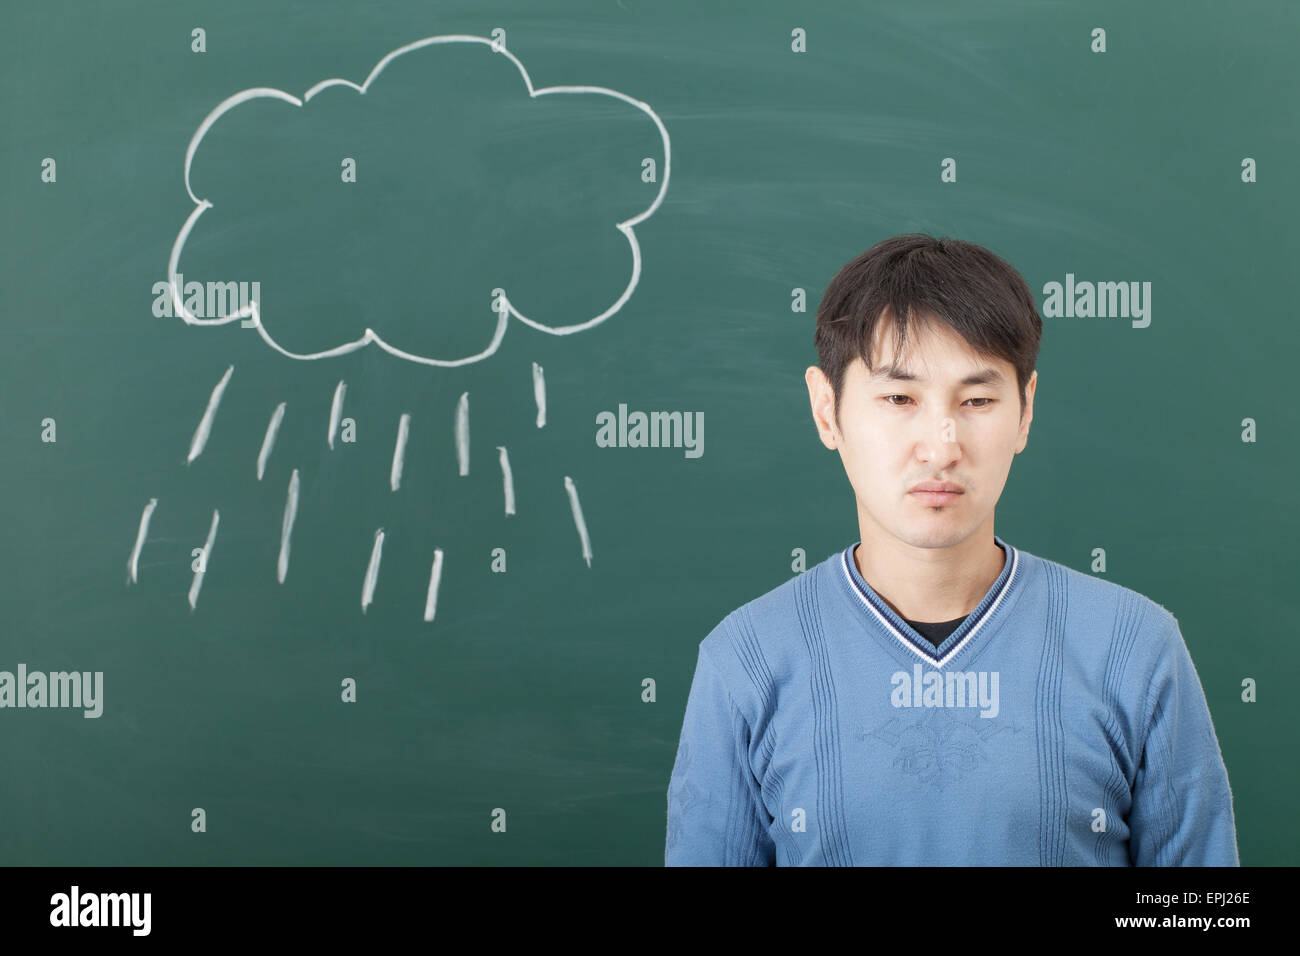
(926, 350)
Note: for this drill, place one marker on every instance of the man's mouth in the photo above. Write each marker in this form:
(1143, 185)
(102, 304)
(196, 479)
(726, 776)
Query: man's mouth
(936, 492)
(936, 497)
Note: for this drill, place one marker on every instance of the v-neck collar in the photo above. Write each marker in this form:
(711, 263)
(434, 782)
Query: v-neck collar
(904, 634)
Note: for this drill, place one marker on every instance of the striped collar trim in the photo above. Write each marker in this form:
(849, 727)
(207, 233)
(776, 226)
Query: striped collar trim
(907, 636)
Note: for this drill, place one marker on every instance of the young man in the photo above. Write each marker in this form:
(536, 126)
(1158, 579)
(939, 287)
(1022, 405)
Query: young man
(932, 694)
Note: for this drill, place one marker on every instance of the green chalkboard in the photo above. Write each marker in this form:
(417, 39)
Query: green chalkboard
(422, 320)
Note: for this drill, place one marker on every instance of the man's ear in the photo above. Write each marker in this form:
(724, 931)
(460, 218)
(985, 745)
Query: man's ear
(822, 399)
(1027, 415)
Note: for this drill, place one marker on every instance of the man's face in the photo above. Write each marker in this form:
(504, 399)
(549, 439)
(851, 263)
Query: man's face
(938, 413)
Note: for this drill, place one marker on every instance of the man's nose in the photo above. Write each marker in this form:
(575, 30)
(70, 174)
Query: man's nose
(939, 440)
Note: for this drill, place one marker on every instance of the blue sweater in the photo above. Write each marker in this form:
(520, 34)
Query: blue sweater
(1061, 724)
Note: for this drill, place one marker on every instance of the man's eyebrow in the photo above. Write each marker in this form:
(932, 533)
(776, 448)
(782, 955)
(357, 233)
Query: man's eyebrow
(896, 373)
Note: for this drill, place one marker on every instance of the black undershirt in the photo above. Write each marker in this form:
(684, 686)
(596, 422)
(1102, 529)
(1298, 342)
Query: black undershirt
(936, 634)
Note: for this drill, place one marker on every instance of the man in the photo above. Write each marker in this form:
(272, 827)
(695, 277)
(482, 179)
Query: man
(932, 694)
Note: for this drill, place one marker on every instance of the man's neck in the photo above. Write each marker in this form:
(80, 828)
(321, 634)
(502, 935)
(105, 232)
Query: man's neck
(930, 584)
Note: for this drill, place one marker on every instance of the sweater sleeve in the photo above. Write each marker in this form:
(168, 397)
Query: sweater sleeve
(1182, 806)
(715, 810)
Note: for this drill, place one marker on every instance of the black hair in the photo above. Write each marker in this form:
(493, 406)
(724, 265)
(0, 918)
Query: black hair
(921, 279)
